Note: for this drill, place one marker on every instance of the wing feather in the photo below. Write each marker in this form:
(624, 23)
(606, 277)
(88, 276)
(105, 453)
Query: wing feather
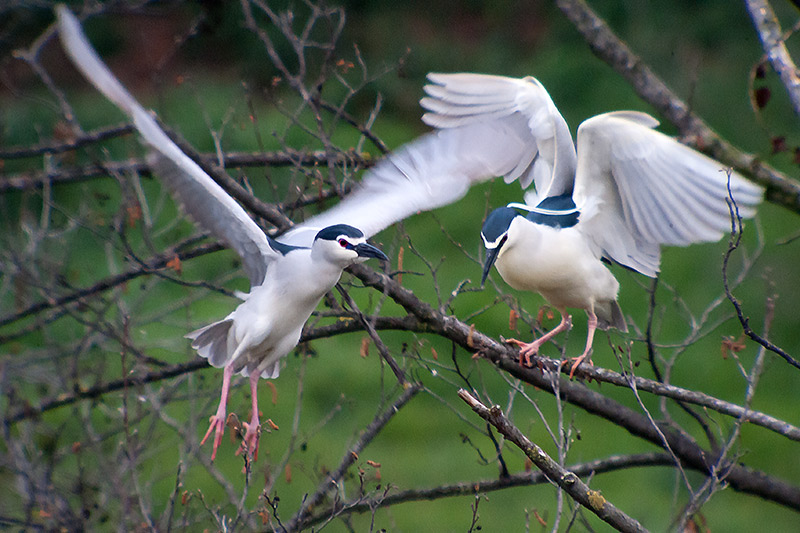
(640, 188)
(460, 99)
(434, 170)
(199, 195)
(487, 126)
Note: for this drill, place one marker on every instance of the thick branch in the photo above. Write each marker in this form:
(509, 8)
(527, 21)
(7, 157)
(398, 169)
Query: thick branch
(689, 396)
(608, 47)
(410, 323)
(425, 314)
(689, 452)
(456, 330)
(740, 478)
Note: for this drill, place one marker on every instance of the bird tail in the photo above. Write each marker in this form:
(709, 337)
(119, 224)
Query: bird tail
(609, 315)
(211, 342)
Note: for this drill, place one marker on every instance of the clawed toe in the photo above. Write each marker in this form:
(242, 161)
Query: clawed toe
(575, 362)
(217, 425)
(526, 350)
(250, 441)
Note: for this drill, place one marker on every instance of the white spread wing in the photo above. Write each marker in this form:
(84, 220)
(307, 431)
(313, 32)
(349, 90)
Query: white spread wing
(488, 126)
(638, 188)
(435, 170)
(200, 196)
(549, 162)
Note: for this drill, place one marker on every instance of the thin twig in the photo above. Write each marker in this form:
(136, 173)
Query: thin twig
(466, 488)
(368, 324)
(381, 419)
(733, 244)
(566, 480)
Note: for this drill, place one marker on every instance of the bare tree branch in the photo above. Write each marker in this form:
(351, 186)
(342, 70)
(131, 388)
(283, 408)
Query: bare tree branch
(772, 39)
(466, 488)
(99, 385)
(610, 48)
(733, 243)
(566, 480)
(156, 263)
(739, 477)
(34, 180)
(351, 456)
(407, 323)
(87, 138)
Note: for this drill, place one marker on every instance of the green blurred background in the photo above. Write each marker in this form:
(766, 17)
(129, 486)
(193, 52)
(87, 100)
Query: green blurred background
(218, 79)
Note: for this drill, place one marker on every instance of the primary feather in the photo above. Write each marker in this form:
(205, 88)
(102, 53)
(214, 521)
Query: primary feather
(200, 196)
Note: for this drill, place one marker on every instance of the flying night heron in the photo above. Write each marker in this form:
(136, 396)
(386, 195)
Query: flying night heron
(624, 191)
(287, 280)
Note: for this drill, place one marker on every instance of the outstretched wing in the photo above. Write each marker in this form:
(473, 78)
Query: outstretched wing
(487, 126)
(638, 188)
(199, 195)
(549, 162)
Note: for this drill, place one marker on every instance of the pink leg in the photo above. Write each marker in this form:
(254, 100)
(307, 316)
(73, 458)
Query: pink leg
(527, 349)
(250, 442)
(218, 420)
(589, 340)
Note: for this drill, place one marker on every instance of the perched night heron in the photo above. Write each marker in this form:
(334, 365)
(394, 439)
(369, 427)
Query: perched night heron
(626, 190)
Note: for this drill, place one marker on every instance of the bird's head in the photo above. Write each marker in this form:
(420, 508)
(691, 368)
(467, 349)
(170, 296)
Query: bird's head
(344, 245)
(495, 235)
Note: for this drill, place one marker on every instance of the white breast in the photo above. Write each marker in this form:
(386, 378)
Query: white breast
(556, 263)
(268, 324)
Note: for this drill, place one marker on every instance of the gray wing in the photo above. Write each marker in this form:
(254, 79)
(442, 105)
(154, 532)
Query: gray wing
(487, 126)
(199, 195)
(638, 188)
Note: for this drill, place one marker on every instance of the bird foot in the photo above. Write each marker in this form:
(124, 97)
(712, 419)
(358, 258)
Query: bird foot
(217, 425)
(526, 350)
(250, 442)
(575, 361)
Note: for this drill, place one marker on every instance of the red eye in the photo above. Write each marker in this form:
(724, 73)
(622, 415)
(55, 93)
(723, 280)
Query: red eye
(343, 243)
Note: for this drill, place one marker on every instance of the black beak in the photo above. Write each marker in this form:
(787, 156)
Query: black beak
(491, 257)
(367, 250)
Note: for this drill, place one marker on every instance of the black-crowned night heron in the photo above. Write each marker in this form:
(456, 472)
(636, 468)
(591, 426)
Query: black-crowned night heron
(626, 190)
(287, 280)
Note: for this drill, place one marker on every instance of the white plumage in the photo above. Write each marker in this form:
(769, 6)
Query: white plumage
(624, 192)
(287, 282)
